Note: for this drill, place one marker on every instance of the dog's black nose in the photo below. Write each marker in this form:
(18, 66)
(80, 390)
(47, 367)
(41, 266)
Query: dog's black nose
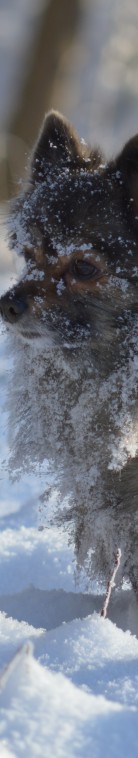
(12, 308)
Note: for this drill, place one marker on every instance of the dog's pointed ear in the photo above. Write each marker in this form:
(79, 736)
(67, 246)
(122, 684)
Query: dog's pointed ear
(127, 164)
(58, 146)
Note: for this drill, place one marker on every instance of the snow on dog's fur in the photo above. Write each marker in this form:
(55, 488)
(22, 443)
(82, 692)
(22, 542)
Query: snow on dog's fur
(76, 308)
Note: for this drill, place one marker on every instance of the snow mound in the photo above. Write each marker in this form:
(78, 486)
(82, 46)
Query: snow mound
(44, 713)
(95, 654)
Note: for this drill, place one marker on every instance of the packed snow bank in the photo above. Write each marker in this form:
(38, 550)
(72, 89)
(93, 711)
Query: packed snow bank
(44, 713)
(94, 653)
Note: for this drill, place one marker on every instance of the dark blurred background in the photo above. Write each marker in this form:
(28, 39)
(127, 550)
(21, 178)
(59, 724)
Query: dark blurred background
(79, 56)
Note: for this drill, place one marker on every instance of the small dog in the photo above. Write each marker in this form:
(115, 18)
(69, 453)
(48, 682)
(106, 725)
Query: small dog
(77, 228)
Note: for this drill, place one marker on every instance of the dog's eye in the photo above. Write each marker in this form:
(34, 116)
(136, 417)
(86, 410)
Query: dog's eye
(84, 269)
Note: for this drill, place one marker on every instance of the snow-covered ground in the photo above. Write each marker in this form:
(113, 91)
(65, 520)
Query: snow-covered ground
(80, 699)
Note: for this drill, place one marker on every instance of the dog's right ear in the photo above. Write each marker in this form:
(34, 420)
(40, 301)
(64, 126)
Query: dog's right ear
(58, 147)
(127, 163)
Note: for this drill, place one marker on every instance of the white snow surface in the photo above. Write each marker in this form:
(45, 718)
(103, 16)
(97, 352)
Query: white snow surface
(44, 713)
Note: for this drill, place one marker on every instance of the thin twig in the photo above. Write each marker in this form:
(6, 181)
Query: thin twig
(111, 584)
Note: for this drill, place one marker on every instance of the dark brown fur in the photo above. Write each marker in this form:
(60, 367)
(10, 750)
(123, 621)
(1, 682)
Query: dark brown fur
(76, 226)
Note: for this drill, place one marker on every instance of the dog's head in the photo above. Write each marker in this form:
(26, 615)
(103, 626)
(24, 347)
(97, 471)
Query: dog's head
(76, 226)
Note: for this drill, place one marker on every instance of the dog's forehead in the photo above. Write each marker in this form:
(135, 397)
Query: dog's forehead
(72, 209)
(71, 198)
(87, 184)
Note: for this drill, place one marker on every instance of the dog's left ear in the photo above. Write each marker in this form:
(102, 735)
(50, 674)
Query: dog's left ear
(127, 164)
(58, 146)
